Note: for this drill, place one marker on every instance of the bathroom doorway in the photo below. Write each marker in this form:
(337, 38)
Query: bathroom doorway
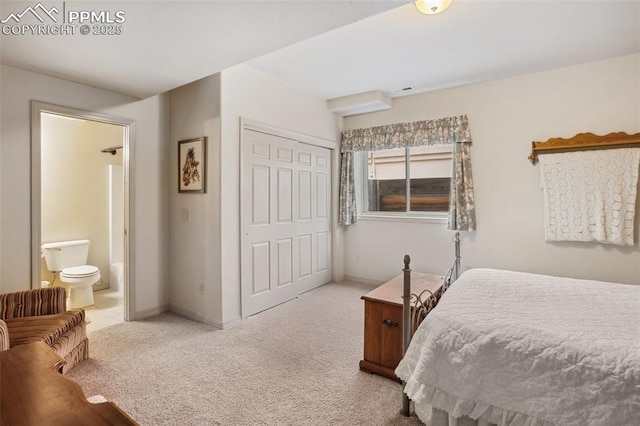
(80, 190)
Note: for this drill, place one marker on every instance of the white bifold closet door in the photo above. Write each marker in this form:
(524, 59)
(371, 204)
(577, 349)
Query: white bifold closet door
(286, 247)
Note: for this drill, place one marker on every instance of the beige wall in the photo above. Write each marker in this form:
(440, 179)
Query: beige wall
(505, 116)
(149, 181)
(75, 183)
(205, 228)
(195, 218)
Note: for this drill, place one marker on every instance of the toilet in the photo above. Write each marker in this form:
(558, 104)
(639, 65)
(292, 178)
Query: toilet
(70, 258)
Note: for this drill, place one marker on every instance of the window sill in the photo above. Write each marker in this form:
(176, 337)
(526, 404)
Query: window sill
(441, 218)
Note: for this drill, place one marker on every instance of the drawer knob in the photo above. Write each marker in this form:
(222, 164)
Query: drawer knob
(390, 323)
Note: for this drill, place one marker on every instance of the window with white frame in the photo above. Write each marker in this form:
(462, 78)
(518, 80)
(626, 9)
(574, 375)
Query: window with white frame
(406, 181)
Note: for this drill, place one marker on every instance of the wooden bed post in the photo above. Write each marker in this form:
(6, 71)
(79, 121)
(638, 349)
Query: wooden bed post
(406, 323)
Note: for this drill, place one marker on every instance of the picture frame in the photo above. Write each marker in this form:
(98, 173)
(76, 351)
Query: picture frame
(192, 165)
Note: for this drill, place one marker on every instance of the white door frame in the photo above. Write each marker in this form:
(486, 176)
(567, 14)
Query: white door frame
(247, 124)
(37, 108)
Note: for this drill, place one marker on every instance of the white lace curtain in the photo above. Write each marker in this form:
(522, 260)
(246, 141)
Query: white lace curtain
(450, 130)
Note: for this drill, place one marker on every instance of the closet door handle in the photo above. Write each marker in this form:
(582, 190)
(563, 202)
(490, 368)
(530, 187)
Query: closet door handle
(389, 323)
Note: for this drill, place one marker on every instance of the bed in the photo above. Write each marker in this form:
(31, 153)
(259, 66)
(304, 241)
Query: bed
(512, 348)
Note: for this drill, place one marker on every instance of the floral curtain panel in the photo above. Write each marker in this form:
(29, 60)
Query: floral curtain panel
(450, 130)
(347, 209)
(462, 207)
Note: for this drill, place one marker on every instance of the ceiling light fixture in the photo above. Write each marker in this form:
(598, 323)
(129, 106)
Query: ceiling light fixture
(431, 7)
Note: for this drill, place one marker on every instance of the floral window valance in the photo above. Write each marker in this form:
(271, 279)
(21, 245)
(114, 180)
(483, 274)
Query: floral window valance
(444, 131)
(428, 132)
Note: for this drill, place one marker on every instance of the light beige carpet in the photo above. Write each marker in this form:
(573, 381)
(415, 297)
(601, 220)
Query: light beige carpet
(295, 364)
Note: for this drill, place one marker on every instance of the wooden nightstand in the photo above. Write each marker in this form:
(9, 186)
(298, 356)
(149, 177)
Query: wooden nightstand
(383, 322)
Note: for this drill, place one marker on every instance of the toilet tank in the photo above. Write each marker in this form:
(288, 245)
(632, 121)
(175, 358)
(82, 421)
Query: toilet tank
(65, 254)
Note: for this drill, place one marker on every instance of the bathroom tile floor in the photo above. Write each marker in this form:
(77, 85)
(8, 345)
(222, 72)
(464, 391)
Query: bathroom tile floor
(107, 309)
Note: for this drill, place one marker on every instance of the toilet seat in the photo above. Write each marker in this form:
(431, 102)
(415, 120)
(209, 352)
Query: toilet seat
(79, 280)
(82, 271)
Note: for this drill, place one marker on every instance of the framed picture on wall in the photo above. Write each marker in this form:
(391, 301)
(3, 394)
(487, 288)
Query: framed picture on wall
(192, 165)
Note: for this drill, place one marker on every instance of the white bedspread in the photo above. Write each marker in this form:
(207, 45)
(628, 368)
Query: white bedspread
(524, 349)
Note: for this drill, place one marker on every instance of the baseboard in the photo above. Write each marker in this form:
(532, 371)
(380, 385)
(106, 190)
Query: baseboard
(150, 312)
(187, 314)
(225, 325)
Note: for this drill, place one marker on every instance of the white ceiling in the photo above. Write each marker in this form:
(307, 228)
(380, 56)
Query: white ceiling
(472, 41)
(166, 44)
